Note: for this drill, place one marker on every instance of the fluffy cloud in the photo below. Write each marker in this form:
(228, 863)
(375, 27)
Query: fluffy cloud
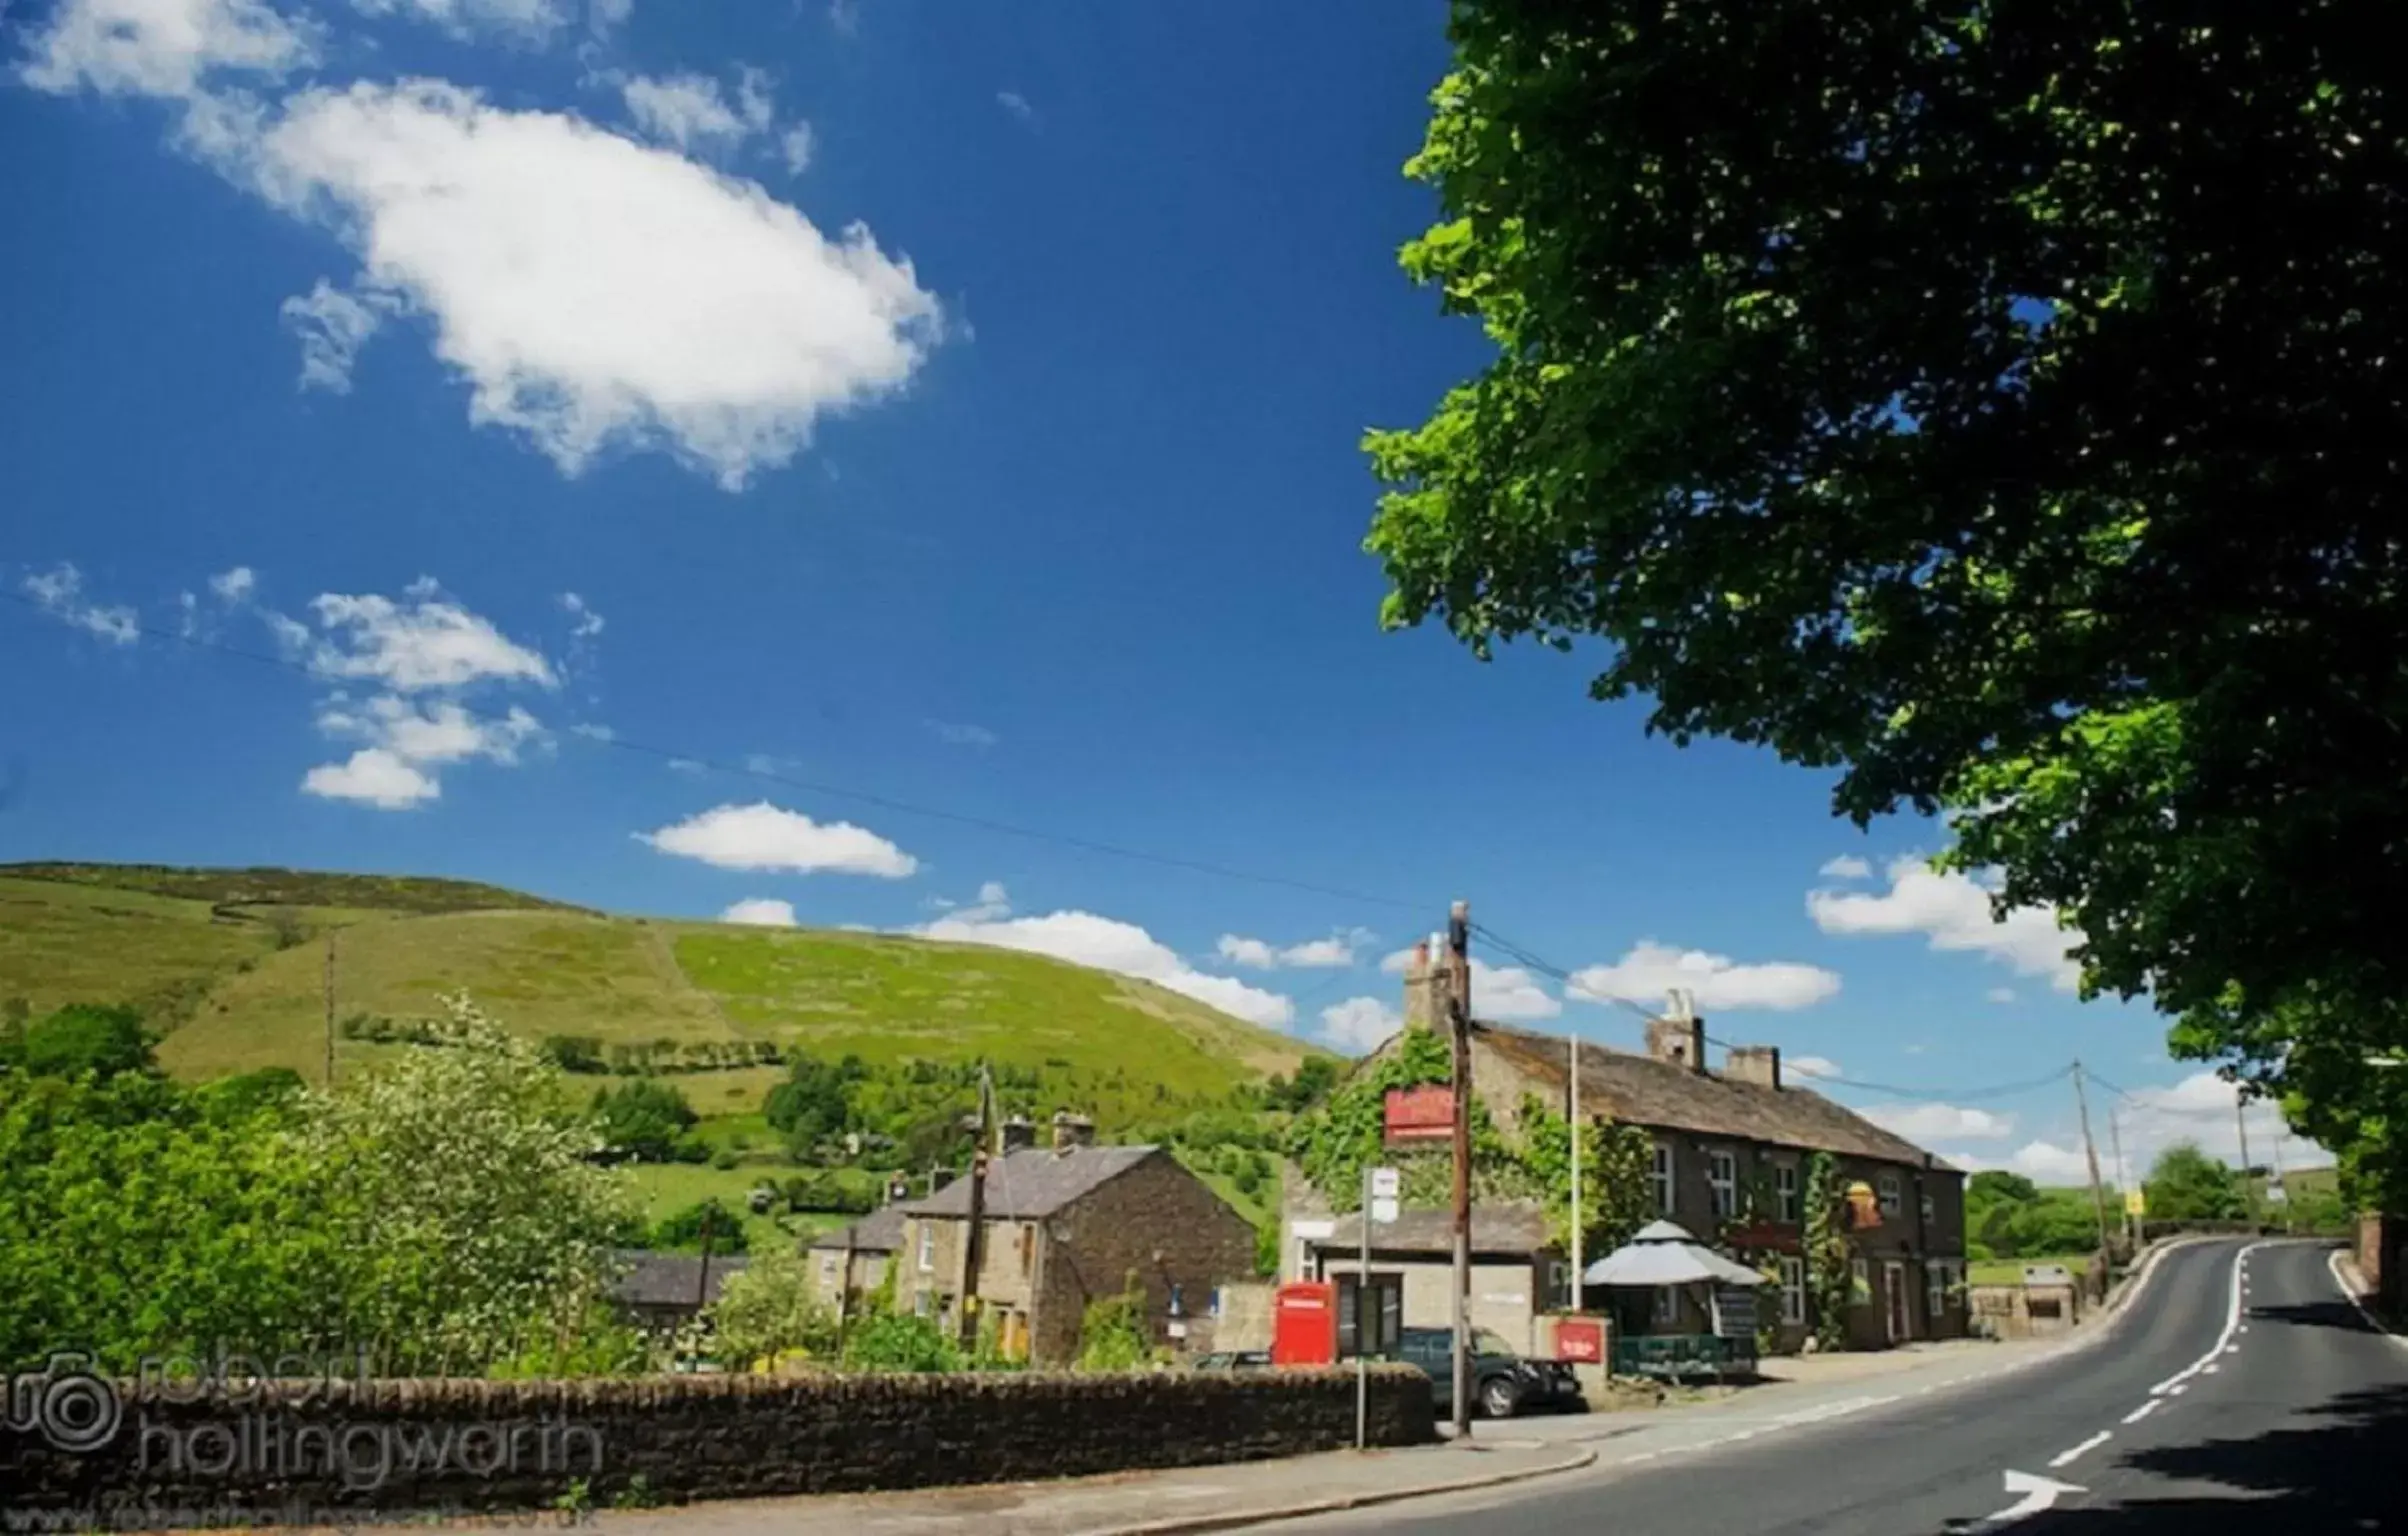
(373, 776)
(584, 623)
(1016, 104)
(794, 148)
(422, 642)
(59, 592)
(1359, 1025)
(1651, 970)
(962, 734)
(234, 586)
(1111, 945)
(1812, 1066)
(592, 291)
(332, 324)
(1954, 911)
(1331, 953)
(764, 836)
(2198, 1109)
(436, 731)
(163, 47)
(1927, 1123)
(760, 912)
(1848, 867)
(691, 113)
(464, 18)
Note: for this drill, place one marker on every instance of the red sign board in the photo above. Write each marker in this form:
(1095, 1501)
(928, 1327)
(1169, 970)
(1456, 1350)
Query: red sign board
(1580, 1339)
(1420, 1114)
(1304, 1323)
(1763, 1237)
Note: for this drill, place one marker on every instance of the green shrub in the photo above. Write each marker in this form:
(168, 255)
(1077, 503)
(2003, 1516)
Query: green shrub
(885, 1341)
(1112, 1335)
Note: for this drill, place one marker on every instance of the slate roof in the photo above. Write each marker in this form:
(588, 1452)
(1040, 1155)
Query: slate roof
(1641, 1090)
(1035, 1183)
(1515, 1227)
(669, 1279)
(881, 1231)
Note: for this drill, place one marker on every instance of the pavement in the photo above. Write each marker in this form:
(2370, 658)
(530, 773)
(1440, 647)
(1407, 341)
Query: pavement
(2239, 1388)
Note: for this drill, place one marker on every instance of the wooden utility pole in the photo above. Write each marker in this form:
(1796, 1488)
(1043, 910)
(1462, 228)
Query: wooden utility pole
(2115, 1140)
(1459, 1013)
(2090, 1150)
(702, 1286)
(330, 933)
(973, 1238)
(2240, 1120)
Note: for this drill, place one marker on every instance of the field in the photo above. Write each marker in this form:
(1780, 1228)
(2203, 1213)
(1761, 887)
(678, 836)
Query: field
(231, 967)
(2010, 1271)
(664, 1188)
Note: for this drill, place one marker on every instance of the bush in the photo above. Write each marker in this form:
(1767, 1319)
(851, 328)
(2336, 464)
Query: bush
(682, 1229)
(769, 1309)
(647, 1120)
(79, 1039)
(1112, 1333)
(887, 1342)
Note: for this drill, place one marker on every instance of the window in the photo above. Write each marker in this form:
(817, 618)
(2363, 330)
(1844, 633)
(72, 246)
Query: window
(1935, 1291)
(1931, 1211)
(827, 1269)
(1890, 1202)
(1860, 1284)
(927, 1248)
(1559, 1287)
(1722, 1178)
(1659, 1178)
(1667, 1305)
(924, 1304)
(1793, 1289)
(1785, 1191)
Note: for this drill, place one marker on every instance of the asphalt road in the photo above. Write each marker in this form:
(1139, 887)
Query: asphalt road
(2242, 1391)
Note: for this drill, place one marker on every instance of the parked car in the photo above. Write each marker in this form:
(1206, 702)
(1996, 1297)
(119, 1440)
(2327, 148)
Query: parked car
(1235, 1360)
(1503, 1382)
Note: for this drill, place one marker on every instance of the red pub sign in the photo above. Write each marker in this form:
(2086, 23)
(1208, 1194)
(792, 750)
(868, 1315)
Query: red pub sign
(1420, 1114)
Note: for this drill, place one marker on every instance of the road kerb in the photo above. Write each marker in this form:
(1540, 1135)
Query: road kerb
(1232, 1519)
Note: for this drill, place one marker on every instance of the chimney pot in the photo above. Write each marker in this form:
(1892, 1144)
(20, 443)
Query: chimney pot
(1018, 1134)
(1680, 1041)
(1072, 1131)
(1759, 1064)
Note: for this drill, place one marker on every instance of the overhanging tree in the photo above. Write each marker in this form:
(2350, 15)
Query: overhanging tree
(1997, 402)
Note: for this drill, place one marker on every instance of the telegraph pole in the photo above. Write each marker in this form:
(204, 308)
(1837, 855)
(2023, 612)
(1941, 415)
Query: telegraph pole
(2240, 1120)
(2115, 1139)
(1574, 1042)
(330, 933)
(2090, 1150)
(973, 1239)
(1459, 1013)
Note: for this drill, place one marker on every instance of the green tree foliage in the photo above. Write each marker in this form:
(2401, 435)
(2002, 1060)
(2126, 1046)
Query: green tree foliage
(2008, 1217)
(1314, 1078)
(78, 1039)
(887, 1341)
(2185, 1184)
(1112, 1333)
(1334, 1144)
(681, 1230)
(1829, 1285)
(1615, 1197)
(648, 1121)
(769, 1309)
(814, 1104)
(1997, 403)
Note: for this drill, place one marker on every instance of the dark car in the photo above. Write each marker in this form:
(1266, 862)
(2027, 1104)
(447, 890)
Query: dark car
(1235, 1360)
(1503, 1383)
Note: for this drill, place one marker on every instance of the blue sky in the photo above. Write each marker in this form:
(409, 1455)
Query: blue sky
(957, 404)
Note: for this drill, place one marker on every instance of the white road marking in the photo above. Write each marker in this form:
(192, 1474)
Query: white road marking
(2333, 1263)
(2211, 1370)
(2178, 1391)
(2091, 1444)
(2144, 1410)
(2223, 1344)
(2034, 1494)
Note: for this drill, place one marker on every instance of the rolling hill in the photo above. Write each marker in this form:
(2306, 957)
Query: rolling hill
(231, 966)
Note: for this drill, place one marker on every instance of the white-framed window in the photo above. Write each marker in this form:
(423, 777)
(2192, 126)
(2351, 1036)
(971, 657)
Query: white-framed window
(1891, 1203)
(1793, 1289)
(1559, 1286)
(927, 1247)
(1722, 1180)
(1860, 1282)
(1931, 1209)
(1935, 1290)
(1785, 1191)
(1659, 1178)
(1667, 1305)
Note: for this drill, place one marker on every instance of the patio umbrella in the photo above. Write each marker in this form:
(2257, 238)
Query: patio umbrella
(1662, 1254)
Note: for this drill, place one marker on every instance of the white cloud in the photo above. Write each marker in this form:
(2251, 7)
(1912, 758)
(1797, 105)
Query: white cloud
(59, 592)
(420, 643)
(760, 912)
(794, 148)
(333, 324)
(1334, 952)
(163, 47)
(593, 731)
(593, 292)
(845, 17)
(691, 113)
(1954, 911)
(1848, 867)
(962, 734)
(533, 19)
(2197, 1109)
(1359, 1025)
(1016, 104)
(1926, 1123)
(584, 623)
(1812, 1066)
(440, 731)
(764, 836)
(235, 585)
(1999, 995)
(375, 776)
(1111, 945)
(1651, 970)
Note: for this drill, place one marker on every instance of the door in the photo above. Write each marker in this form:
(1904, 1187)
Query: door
(1893, 1289)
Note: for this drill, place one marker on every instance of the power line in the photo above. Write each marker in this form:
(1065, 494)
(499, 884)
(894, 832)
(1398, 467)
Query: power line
(833, 791)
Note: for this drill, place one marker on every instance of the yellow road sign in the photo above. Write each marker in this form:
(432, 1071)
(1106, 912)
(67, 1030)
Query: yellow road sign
(2135, 1203)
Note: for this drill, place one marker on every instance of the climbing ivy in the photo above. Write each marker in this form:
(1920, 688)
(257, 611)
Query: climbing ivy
(1615, 1198)
(1827, 1276)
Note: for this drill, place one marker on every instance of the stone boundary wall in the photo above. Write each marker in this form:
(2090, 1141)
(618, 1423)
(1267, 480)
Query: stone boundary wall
(454, 1445)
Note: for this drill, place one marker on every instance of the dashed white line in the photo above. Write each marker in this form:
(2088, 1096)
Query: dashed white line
(2144, 1410)
(2223, 1344)
(2091, 1444)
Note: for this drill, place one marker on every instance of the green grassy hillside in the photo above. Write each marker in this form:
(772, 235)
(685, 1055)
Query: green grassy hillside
(232, 967)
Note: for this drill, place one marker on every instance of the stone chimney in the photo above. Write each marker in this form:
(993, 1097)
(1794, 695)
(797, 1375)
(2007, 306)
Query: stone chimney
(1758, 1064)
(1679, 1041)
(1429, 982)
(1072, 1131)
(1019, 1134)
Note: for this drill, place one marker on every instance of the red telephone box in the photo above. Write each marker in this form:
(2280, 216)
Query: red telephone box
(1304, 1324)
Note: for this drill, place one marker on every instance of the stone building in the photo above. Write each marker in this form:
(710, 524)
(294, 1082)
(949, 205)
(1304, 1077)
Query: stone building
(1073, 1224)
(1517, 1275)
(851, 1261)
(1731, 1145)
